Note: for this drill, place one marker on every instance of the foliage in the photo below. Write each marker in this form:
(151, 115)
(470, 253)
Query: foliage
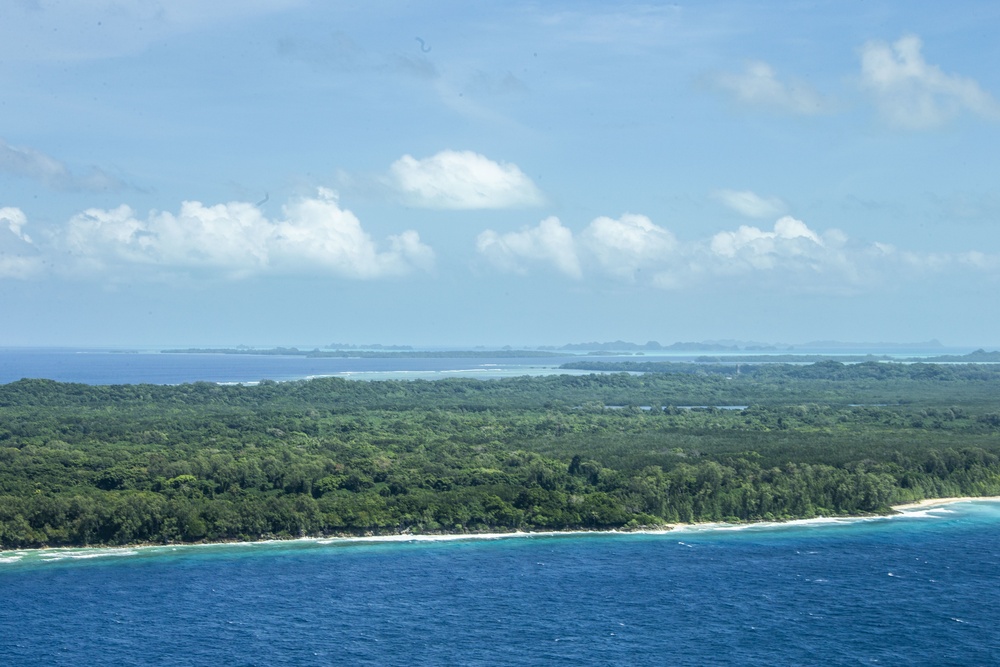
(135, 463)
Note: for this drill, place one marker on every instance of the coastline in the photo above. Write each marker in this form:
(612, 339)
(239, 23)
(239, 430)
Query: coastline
(93, 551)
(934, 502)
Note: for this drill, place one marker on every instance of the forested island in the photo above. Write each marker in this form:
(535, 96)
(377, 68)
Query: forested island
(124, 464)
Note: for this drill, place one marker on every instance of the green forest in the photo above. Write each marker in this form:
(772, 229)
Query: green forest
(124, 464)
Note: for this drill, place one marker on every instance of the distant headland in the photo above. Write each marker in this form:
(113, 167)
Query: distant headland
(711, 351)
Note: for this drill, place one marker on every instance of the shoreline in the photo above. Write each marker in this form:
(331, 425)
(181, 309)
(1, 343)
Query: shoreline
(935, 502)
(111, 550)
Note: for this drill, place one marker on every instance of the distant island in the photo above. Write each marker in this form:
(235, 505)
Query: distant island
(977, 357)
(372, 346)
(726, 349)
(395, 352)
(653, 346)
(737, 346)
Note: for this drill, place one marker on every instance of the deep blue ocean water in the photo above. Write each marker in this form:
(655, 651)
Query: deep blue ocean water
(916, 590)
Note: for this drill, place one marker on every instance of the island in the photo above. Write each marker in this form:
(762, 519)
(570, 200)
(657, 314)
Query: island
(131, 464)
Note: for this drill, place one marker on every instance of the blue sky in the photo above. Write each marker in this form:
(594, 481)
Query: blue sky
(273, 172)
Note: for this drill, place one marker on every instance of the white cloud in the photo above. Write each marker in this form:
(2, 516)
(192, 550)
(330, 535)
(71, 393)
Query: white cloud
(16, 220)
(912, 94)
(19, 258)
(549, 242)
(622, 247)
(789, 257)
(318, 232)
(462, 180)
(791, 253)
(315, 235)
(790, 237)
(751, 204)
(758, 85)
(29, 163)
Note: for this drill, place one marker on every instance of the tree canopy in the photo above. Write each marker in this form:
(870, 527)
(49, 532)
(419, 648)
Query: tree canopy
(120, 464)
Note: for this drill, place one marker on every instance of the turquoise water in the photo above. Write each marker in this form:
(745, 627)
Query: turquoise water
(105, 367)
(95, 366)
(916, 589)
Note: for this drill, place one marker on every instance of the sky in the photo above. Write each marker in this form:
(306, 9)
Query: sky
(291, 172)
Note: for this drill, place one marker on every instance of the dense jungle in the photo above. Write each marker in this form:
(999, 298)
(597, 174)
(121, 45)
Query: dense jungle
(124, 464)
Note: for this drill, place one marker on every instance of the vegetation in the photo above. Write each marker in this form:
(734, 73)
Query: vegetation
(88, 465)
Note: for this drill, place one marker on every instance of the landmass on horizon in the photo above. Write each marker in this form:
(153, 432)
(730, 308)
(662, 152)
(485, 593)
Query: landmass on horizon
(719, 345)
(725, 351)
(726, 356)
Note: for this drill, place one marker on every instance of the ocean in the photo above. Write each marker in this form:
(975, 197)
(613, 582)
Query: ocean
(915, 589)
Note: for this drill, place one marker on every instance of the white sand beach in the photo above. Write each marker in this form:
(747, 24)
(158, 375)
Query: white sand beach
(933, 502)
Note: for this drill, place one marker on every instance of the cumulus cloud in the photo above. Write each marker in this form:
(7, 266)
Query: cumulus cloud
(317, 231)
(314, 235)
(621, 248)
(462, 180)
(29, 163)
(19, 258)
(15, 219)
(548, 243)
(758, 85)
(790, 237)
(792, 252)
(912, 94)
(788, 257)
(750, 204)
(624, 246)
(618, 248)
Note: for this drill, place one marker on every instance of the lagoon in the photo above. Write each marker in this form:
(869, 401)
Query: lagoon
(96, 367)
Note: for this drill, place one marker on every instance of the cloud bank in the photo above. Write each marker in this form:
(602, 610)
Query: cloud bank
(912, 94)
(462, 180)
(788, 257)
(314, 235)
